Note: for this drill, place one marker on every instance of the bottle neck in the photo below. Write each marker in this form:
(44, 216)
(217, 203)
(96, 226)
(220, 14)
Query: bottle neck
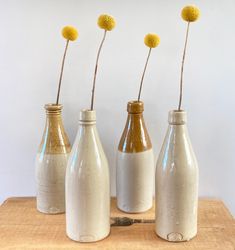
(177, 123)
(176, 117)
(135, 137)
(88, 136)
(135, 111)
(177, 133)
(55, 139)
(53, 117)
(87, 117)
(135, 120)
(87, 123)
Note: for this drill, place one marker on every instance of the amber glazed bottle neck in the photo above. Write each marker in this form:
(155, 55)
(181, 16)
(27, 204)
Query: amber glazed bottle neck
(55, 139)
(135, 137)
(53, 115)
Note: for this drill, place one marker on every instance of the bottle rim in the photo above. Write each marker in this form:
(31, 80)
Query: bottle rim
(135, 107)
(87, 116)
(52, 108)
(177, 117)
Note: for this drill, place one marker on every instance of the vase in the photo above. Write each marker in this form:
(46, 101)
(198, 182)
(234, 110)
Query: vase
(176, 184)
(87, 184)
(51, 162)
(135, 163)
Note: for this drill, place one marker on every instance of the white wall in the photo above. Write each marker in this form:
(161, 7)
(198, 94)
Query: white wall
(31, 48)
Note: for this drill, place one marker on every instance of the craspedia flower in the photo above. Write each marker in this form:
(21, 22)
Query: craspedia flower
(190, 13)
(106, 22)
(70, 33)
(152, 40)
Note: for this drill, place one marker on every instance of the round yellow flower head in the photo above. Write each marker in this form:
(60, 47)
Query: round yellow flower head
(152, 40)
(190, 13)
(70, 33)
(106, 22)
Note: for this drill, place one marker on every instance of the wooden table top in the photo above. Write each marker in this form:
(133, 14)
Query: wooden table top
(23, 227)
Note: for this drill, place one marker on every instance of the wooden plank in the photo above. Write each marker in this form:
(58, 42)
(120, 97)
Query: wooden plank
(22, 227)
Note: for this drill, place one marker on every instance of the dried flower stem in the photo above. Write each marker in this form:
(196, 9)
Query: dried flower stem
(61, 72)
(182, 68)
(142, 78)
(96, 67)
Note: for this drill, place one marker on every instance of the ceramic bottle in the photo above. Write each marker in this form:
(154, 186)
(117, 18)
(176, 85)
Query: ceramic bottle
(51, 162)
(176, 183)
(87, 185)
(135, 163)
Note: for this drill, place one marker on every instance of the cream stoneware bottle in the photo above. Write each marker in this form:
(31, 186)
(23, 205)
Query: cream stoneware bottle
(176, 184)
(51, 163)
(87, 185)
(135, 163)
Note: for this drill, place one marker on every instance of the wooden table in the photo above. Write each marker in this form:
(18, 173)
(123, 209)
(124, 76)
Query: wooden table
(22, 227)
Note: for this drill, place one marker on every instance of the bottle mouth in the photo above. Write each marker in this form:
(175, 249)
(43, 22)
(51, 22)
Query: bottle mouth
(52, 108)
(135, 107)
(177, 117)
(87, 116)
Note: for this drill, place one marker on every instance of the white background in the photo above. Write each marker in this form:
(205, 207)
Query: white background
(31, 49)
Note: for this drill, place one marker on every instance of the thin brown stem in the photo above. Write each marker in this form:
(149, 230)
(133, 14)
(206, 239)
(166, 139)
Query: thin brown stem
(96, 67)
(61, 72)
(142, 78)
(182, 68)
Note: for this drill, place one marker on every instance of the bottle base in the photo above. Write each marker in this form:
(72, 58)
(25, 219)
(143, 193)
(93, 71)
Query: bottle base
(175, 237)
(136, 210)
(87, 238)
(51, 210)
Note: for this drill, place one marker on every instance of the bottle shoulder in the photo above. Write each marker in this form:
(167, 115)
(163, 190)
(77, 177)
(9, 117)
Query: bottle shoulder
(87, 150)
(177, 151)
(135, 137)
(54, 139)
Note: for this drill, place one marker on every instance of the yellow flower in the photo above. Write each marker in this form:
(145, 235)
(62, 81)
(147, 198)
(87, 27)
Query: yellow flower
(106, 22)
(190, 13)
(70, 33)
(152, 40)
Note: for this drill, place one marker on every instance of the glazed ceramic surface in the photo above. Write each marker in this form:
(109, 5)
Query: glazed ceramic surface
(87, 185)
(51, 163)
(176, 191)
(50, 172)
(135, 184)
(135, 164)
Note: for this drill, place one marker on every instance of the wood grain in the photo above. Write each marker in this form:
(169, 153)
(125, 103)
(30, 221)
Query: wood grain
(22, 227)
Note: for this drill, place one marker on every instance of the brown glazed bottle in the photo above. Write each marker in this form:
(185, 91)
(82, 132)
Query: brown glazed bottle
(135, 163)
(51, 163)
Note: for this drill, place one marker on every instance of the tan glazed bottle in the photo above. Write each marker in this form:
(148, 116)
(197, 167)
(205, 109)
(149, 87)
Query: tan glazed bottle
(87, 184)
(51, 163)
(176, 183)
(135, 163)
